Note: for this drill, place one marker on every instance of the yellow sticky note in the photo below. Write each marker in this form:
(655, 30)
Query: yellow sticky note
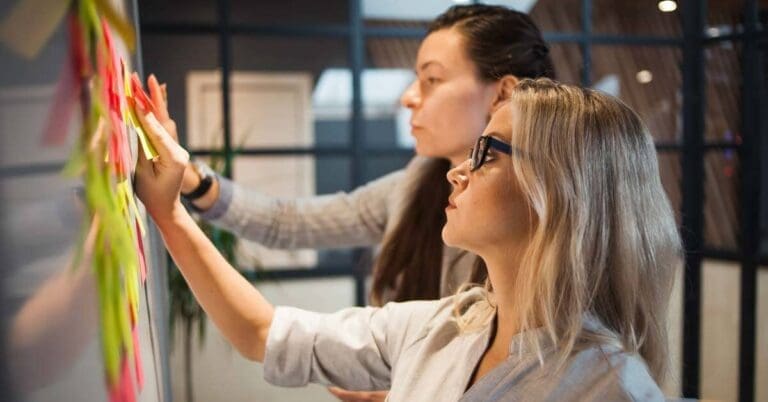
(118, 22)
(146, 146)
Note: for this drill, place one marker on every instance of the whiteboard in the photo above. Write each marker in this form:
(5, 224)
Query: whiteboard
(49, 326)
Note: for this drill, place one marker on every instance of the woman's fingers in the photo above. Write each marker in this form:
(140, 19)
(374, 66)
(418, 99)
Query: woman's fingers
(159, 97)
(165, 145)
(156, 94)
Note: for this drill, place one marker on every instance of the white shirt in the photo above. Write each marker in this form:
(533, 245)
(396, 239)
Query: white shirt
(416, 350)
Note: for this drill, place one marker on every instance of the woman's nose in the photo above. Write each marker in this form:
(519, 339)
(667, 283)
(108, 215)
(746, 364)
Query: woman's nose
(458, 175)
(411, 98)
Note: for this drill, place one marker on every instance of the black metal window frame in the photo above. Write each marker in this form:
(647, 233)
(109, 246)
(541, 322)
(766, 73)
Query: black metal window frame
(693, 148)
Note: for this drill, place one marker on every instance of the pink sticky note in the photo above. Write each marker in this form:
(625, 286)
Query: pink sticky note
(126, 384)
(140, 250)
(68, 88)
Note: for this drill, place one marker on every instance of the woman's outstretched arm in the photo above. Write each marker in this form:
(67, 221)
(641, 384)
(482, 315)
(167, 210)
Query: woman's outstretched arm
(234, 305)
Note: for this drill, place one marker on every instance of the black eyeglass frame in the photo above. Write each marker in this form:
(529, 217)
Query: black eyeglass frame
(479, 152)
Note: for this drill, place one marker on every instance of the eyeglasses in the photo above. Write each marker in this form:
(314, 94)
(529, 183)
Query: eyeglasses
(479, 153)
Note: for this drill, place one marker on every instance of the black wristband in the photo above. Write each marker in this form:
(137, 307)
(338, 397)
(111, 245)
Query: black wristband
(206, 181)
(201, 189)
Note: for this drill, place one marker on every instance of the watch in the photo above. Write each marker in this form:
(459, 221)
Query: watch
(206, 181)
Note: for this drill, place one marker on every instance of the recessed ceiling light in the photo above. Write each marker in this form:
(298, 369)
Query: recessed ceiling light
(667, 6)
(644, 76)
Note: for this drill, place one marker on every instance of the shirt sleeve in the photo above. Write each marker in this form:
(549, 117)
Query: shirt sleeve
(355, 348)
(358, 218)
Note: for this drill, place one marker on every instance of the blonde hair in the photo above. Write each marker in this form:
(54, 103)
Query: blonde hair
(605, 242)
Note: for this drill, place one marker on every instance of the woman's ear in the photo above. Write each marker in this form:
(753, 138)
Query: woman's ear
(504, 89)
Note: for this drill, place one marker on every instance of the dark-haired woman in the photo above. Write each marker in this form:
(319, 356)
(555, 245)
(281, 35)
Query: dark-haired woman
(465, 66)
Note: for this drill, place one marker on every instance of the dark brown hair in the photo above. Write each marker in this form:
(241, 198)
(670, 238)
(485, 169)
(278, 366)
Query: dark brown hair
(500, 42)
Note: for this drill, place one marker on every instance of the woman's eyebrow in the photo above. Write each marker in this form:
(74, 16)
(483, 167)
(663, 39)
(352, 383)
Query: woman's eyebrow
(428, 63)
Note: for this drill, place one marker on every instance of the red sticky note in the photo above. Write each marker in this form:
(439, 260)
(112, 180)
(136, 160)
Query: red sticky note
(126, 385)
(140, 96)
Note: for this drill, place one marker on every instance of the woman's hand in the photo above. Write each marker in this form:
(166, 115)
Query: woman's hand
(159, 104)
(158, 182)
(159, 96)
(358, 396)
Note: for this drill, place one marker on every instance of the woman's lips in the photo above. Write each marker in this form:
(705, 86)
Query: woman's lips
(451, 205)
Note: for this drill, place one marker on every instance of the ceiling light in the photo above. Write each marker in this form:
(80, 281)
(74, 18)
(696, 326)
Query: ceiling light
(644, 76)
(667, 6)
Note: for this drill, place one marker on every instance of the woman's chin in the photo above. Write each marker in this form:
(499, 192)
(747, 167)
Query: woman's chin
(448, 237)
(424, 149)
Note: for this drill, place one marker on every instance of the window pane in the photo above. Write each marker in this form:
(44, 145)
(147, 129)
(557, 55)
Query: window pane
(292, 177)
(670, 171)
(637, 18)
(557, 15)
(178, 11)
(377, 11)
(723, 86)
(289, 91)
(721, 200)
(648, 79)
(724, 17)
(290, 13)
(282, 177)
(568, 62)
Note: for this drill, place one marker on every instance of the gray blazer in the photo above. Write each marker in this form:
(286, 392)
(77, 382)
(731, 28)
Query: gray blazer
(363, 217)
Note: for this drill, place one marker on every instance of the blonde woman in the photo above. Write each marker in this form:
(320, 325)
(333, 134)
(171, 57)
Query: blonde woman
(561, 198)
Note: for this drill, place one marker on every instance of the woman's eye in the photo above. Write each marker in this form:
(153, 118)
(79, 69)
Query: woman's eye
(489, 157)
(432, 80)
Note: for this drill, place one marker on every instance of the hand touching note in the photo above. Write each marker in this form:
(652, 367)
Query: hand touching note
(158, 182)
